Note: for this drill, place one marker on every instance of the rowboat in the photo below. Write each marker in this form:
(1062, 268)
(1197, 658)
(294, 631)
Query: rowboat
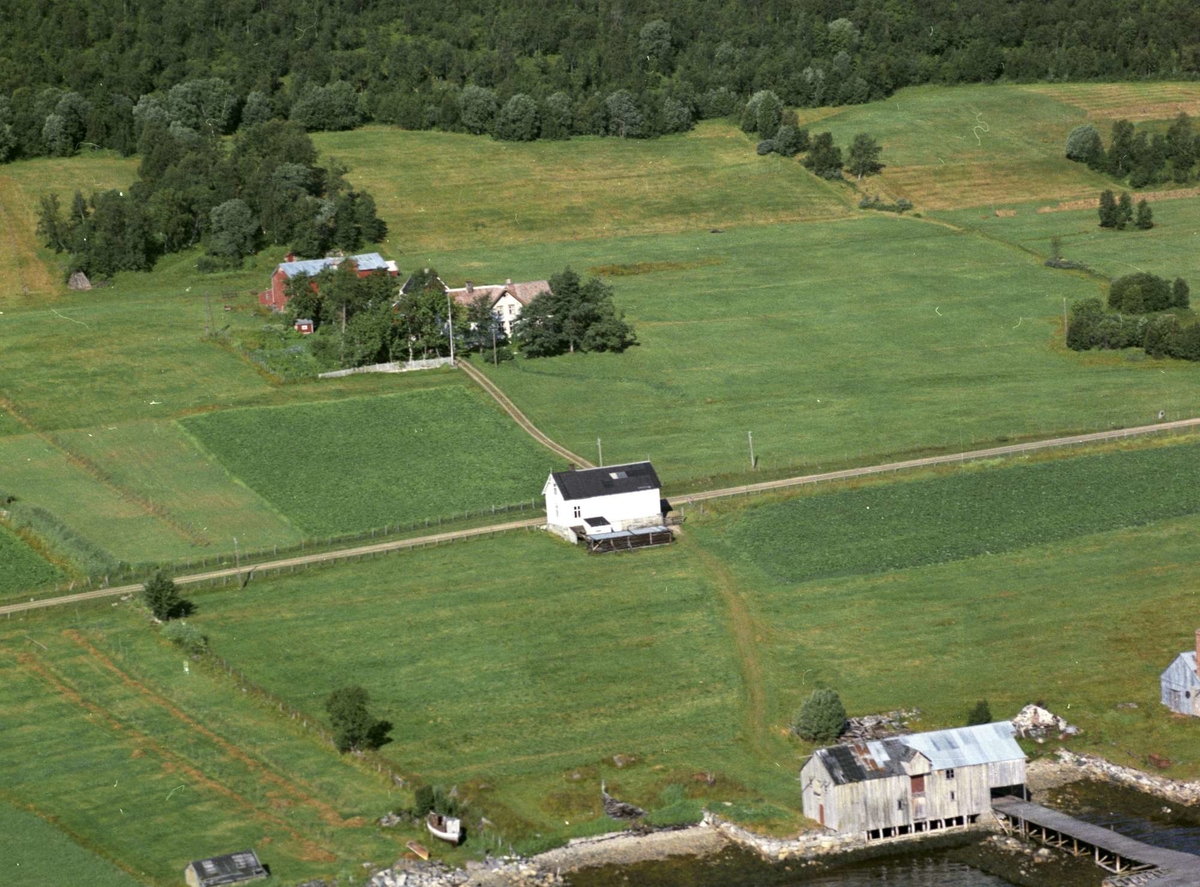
(447, 828)
(418, 849)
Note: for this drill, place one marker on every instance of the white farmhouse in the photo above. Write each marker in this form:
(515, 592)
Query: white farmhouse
(616, 502)
(506, 300)
(1181, 682)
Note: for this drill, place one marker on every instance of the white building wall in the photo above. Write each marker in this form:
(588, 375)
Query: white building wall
(507, 309)
(625, 511)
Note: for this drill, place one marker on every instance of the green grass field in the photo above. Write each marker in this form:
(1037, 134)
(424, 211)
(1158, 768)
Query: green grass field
(362, 463)
(37, 854)
(988, 146)
(29, 273)
(968, 514)
(154, 760)
(20, 566)
(516, 668)
(1170, 249)
(441, 191)
(851, 342)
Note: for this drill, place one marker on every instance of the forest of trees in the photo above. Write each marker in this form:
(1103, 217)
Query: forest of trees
(262, 187)
(91, 72)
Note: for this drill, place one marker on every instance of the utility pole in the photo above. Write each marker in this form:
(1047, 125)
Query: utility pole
(750, 435)
(237, 561)
(600, 450)
(450, 320)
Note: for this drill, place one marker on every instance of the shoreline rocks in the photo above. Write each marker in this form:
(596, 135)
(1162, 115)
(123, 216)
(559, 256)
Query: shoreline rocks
(1093, 767)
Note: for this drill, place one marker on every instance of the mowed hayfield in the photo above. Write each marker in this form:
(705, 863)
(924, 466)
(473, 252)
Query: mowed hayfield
(367, 462)
(28, 273)
(993, 146)
(442, 191)
(128, 747)
(1170, 249)
(848, 342)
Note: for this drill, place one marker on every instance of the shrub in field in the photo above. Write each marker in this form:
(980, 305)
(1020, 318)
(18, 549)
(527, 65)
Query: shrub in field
(822, 718)
(185, 635)
(980, 713)
(354, 727)
(1140, 293)
(162, 597)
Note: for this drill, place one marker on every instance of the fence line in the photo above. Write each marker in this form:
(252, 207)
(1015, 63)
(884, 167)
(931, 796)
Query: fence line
(393, 366)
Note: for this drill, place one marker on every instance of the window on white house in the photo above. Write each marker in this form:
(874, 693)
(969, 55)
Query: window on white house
(578, 511)
(950, 773)
(951, 796)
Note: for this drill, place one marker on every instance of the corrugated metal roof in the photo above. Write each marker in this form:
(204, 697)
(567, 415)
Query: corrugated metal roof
(960, 747)
(313, 267)
(965, 746)
(1182, 672)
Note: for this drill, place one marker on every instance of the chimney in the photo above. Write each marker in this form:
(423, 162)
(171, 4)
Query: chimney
(508, 281)
(470, 287)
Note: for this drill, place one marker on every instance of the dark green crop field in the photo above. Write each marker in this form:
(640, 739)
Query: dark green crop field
(969, 513)
(21, 567)
(362, 463)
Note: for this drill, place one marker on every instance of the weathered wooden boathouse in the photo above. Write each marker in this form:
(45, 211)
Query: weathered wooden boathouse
(1181, 682)
(911, 784)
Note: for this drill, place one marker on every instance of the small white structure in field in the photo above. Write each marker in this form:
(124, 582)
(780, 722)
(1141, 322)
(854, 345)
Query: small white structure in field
(616, 501)
(1181, 682)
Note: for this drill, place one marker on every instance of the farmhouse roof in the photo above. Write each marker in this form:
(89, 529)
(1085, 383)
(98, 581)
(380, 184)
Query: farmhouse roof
(313, 267)
(960, 747)
(233, 868)
(610, 480)
(1182, 672)
(523, 291)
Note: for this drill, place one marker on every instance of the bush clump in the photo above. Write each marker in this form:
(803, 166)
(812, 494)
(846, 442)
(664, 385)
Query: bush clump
(821, 718)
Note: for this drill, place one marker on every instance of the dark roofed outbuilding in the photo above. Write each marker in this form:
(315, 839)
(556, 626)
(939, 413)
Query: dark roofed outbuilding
(233, 868)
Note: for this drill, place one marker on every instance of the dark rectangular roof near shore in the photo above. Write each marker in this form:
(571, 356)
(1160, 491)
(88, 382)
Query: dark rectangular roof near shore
(607, 481)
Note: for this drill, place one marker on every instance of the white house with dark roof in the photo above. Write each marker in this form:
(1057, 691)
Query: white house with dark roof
(1181, 682)
(916, 783)
(596, 501)
(219, 871)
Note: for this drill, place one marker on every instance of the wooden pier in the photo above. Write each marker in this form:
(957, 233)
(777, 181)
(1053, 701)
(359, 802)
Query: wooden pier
(1109, 850)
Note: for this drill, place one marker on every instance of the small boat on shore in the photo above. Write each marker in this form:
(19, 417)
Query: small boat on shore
(419, 849)
(446, 828)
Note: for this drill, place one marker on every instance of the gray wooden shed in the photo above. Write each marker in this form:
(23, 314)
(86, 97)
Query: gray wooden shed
(918, 783)
(1181, 682)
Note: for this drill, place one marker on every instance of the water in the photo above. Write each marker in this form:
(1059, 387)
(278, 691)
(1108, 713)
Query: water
(735, 868)
(967, 864)
(1133, 814)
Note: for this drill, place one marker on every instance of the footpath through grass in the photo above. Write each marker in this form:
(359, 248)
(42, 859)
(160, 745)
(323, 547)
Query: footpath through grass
(366, 462)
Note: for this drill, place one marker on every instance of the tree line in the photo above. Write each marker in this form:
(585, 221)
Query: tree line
(1138, 155)
(262, 187)
(76, 72)
(1142, 313)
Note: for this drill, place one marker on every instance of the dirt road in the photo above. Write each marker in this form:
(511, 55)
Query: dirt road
(766, 486)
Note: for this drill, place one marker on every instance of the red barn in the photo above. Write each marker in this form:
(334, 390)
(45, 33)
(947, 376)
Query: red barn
(276, 297)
